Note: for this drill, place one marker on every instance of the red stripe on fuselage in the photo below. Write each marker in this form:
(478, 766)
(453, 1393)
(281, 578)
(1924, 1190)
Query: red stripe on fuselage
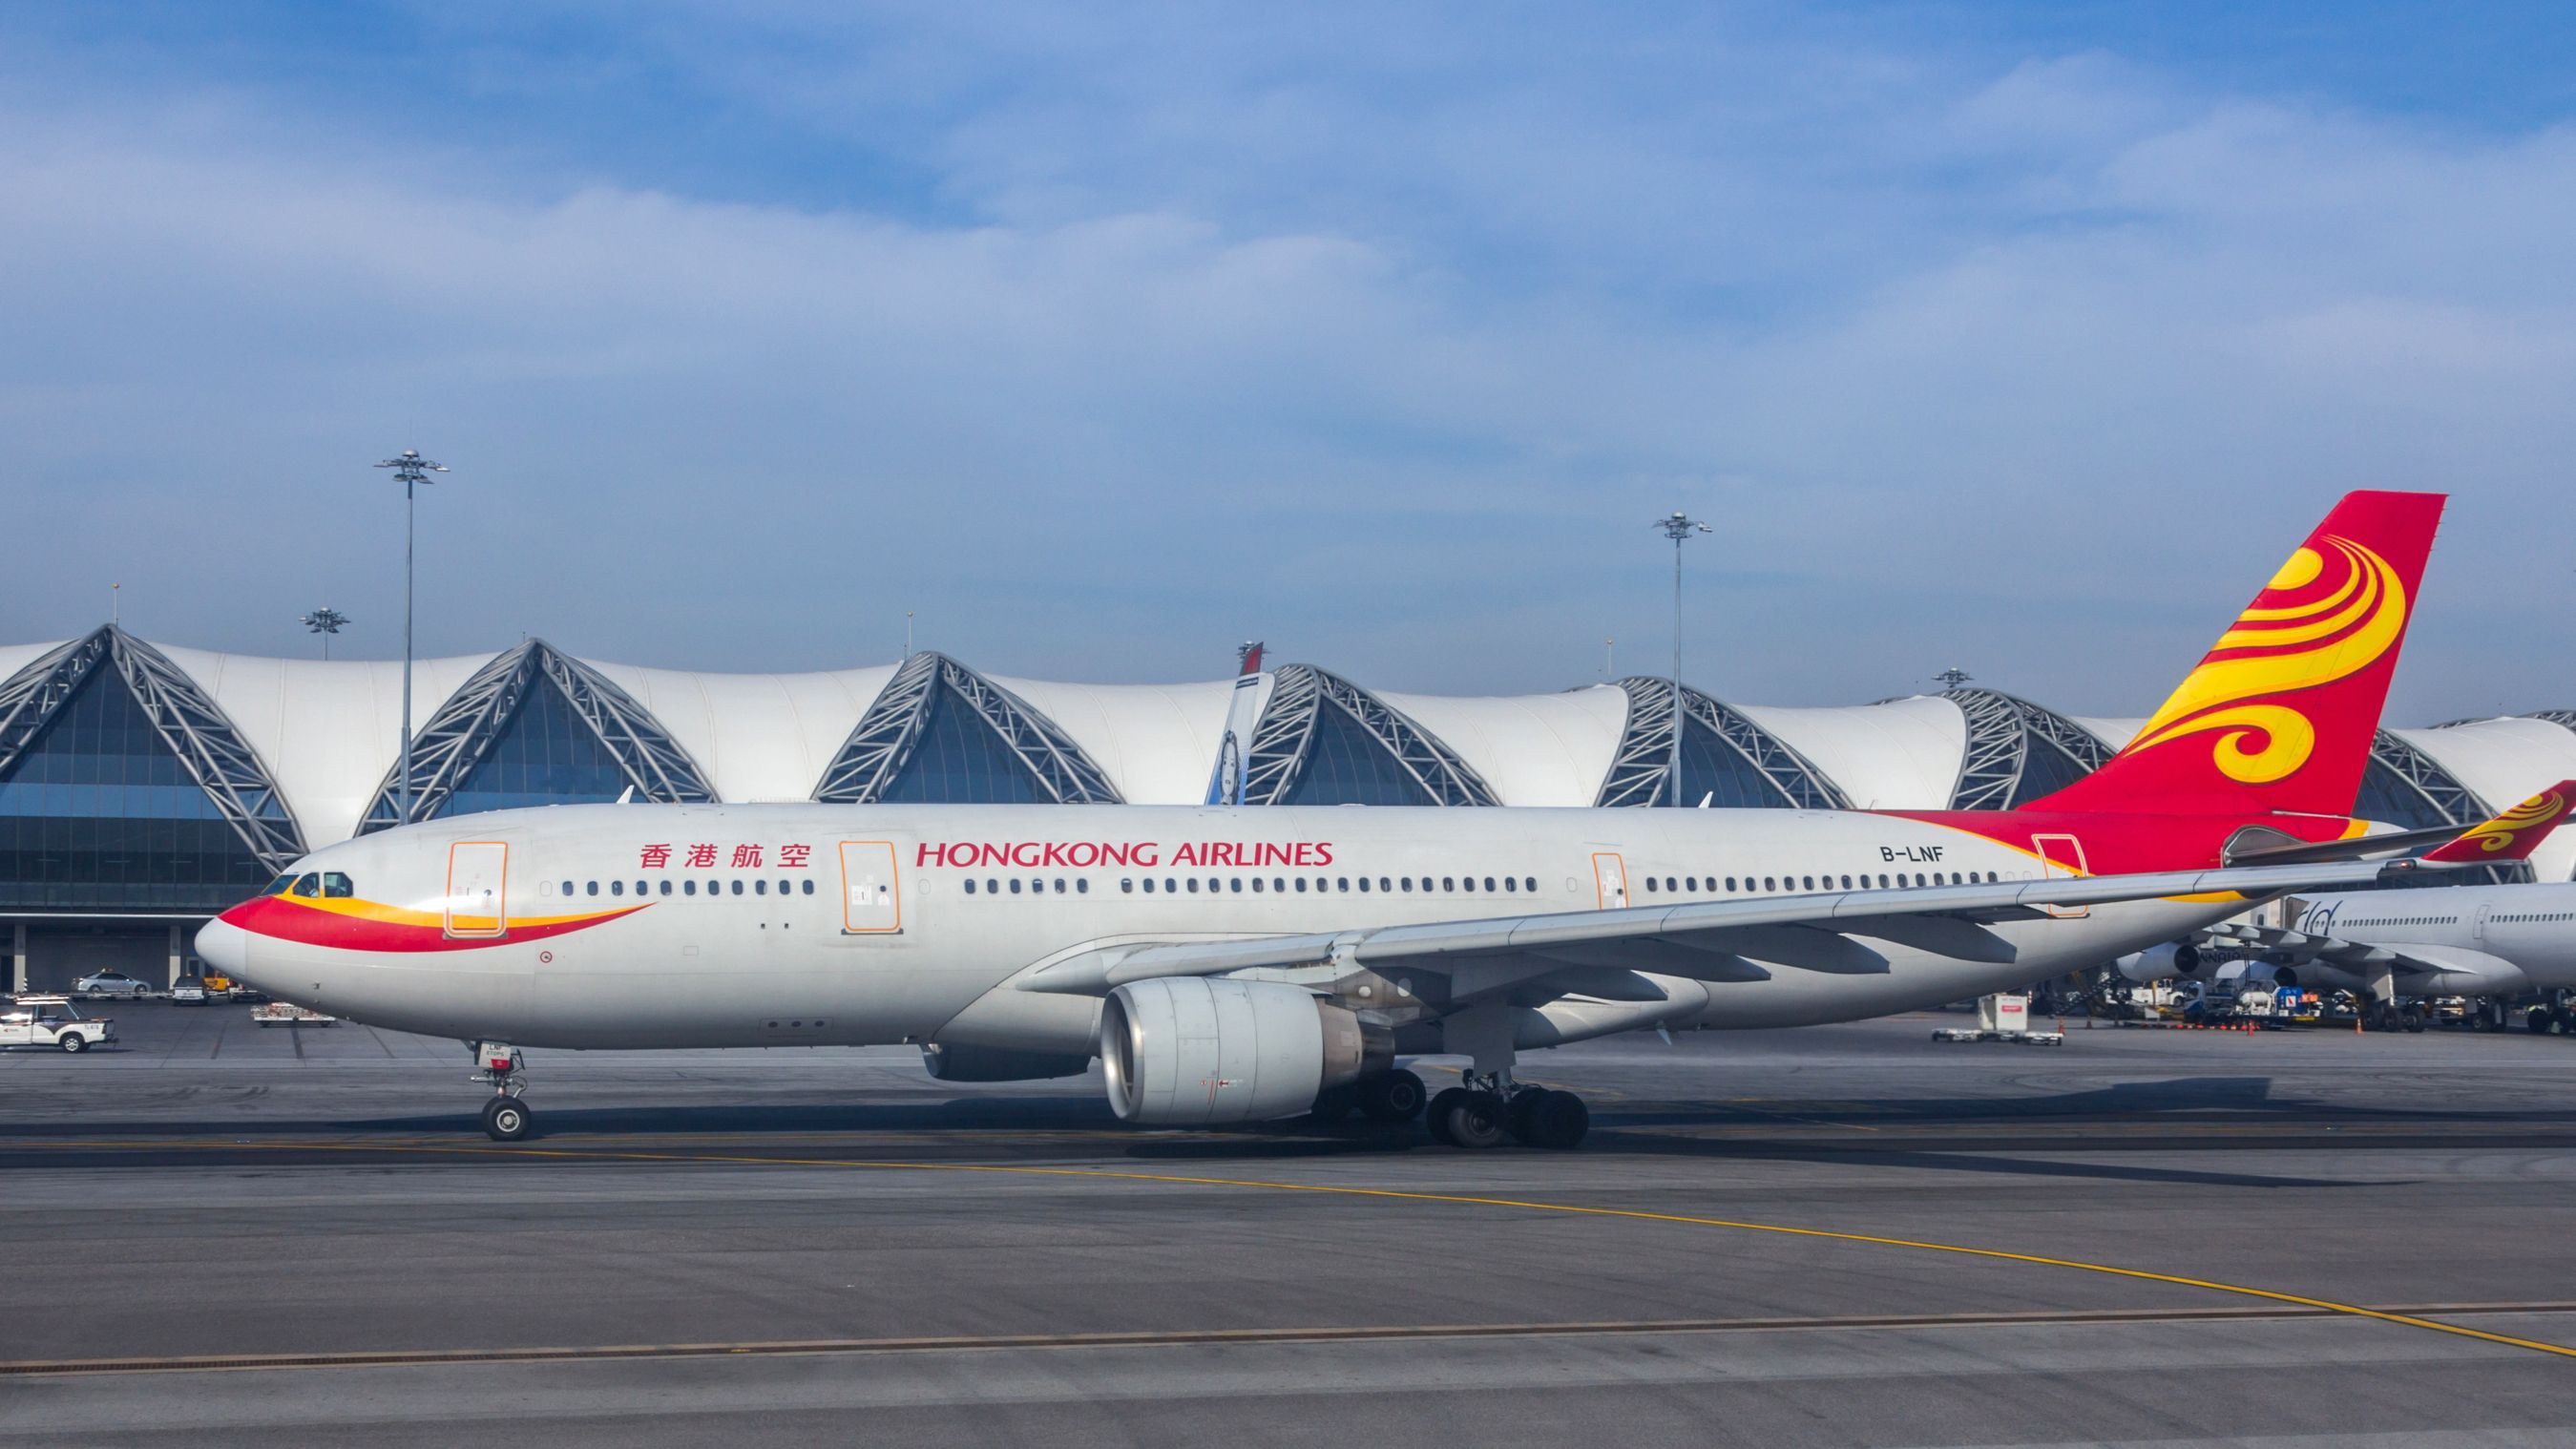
(285, 918)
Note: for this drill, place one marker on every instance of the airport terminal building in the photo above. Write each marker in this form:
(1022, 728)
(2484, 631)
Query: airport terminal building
(145, 787)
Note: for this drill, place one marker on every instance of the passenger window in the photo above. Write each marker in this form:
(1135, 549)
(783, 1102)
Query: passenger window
(1169, 885)
(737, 887)
(1256, 883)
(617, 888)
(689, 887)
(1059, 885)
(1364, 885)
(1531, 883)
(1447, 883)
(567, 887)
(1730, 883)
(1082, 885)
(1405, 881)
(1015, 885)
(1301, 885)
(1847, 885)
(666, 887)
(992, 887)
(1238, 885)
(1489, 885)
(1768, 884)
(1127, 886)
(1650, 884)
(970, 885)
(760, 887)
(590, 888)
(1194, 885)
(1508, 883)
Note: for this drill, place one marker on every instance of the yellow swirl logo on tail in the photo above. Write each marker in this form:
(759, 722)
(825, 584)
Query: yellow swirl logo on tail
(2276, 648)
(2501, 832)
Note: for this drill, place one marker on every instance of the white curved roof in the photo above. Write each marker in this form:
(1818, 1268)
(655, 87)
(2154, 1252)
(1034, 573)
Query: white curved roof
(326, 733)
(1900, 755)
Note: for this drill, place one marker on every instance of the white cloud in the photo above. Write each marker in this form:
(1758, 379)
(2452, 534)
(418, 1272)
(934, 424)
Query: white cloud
(2036, 370)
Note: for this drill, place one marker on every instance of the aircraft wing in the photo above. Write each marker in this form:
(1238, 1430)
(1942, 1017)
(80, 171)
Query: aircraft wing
(2460, 970)
(1724, 940)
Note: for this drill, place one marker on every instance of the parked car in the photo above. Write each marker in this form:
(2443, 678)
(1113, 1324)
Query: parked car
(110, 983)
(188, 991)
(52, 1021)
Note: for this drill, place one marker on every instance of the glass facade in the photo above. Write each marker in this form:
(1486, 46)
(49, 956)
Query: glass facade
(545, 756)
(959, 760)
(1712, 767)
(2385, 795)
(1345, 765)
(99, 813)
(2045, 770)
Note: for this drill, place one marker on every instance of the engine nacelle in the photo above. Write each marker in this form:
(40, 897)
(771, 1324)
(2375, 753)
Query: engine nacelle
(1187, 1051)
(964, 1063)
(2161, 963)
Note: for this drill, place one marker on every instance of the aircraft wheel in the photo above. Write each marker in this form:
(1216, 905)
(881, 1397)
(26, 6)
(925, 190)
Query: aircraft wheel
(1393, 1097)
(507, 1119)
(1556, 1121)
(2536, 1020)
(1436, 1116)
(1478, 1119)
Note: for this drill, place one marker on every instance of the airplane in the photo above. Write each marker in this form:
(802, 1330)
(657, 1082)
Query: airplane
(1231, 965)
(2480, 941)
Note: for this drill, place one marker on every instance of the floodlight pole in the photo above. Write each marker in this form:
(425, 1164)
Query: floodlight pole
(1678, 527)
(412, 471)
(325, 621)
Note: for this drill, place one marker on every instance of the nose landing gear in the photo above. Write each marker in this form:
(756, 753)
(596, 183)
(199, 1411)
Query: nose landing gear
(500, 1067)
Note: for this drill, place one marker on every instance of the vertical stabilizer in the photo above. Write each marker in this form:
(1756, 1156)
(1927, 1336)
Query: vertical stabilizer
(1226, 785)
(2281, 714)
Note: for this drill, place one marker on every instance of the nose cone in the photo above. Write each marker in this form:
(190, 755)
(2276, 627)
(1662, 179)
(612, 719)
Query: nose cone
(225, 946)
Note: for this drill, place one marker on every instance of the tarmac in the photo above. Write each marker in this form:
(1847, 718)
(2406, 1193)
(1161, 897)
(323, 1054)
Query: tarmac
(229, 1235)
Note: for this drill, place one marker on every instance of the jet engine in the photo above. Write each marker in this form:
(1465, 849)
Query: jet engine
(2161, 963)
(1188, 1051)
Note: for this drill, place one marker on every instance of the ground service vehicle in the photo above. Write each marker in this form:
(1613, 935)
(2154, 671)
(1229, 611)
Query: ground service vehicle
(1228, 964)
(188, 991)
(110, 983)
(53, 1021)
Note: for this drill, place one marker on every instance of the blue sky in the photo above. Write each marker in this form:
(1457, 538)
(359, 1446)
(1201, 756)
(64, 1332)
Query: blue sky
(2021, 337)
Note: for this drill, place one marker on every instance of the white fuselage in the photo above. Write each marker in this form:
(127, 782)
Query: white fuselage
(2499, 940)
(889, 923)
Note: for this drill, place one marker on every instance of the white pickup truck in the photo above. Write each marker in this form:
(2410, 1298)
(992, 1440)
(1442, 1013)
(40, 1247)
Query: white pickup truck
(52, 1021)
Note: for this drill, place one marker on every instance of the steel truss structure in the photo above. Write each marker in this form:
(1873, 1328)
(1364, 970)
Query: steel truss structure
(2566, 717)
(1645, 754)
(195, 728)
(1300, 693)
(466, 727)
(2001, 730)
(886, 736)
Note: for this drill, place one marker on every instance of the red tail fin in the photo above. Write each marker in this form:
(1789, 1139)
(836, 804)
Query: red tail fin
(2515, 834)
(2281, 714)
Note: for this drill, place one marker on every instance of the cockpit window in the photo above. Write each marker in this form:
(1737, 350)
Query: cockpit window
(308, 885)
(279, 886)
(336, 886)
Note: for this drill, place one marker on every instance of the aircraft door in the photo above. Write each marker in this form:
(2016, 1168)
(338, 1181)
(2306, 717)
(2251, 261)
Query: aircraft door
(1610, 878)
(2478, 922)
(2061, 857)
(871, 892)
(477, 886)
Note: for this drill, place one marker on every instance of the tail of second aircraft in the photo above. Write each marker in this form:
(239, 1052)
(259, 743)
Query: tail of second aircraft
(2281, 714)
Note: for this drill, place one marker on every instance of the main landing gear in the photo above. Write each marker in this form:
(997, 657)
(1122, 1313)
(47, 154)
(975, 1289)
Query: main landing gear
(1490, 1108)
(498, 1065)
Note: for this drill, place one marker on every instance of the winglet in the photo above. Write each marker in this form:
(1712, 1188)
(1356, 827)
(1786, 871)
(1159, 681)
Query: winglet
(2514, 835)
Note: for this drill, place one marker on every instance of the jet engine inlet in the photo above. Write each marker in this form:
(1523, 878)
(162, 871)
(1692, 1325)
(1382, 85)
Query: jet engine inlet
(2162, 963)
(1189, 1051)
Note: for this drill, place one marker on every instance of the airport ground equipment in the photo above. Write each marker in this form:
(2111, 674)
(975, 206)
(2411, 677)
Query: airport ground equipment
(53, 1021)
(287, 1013)
(2004, 1016)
